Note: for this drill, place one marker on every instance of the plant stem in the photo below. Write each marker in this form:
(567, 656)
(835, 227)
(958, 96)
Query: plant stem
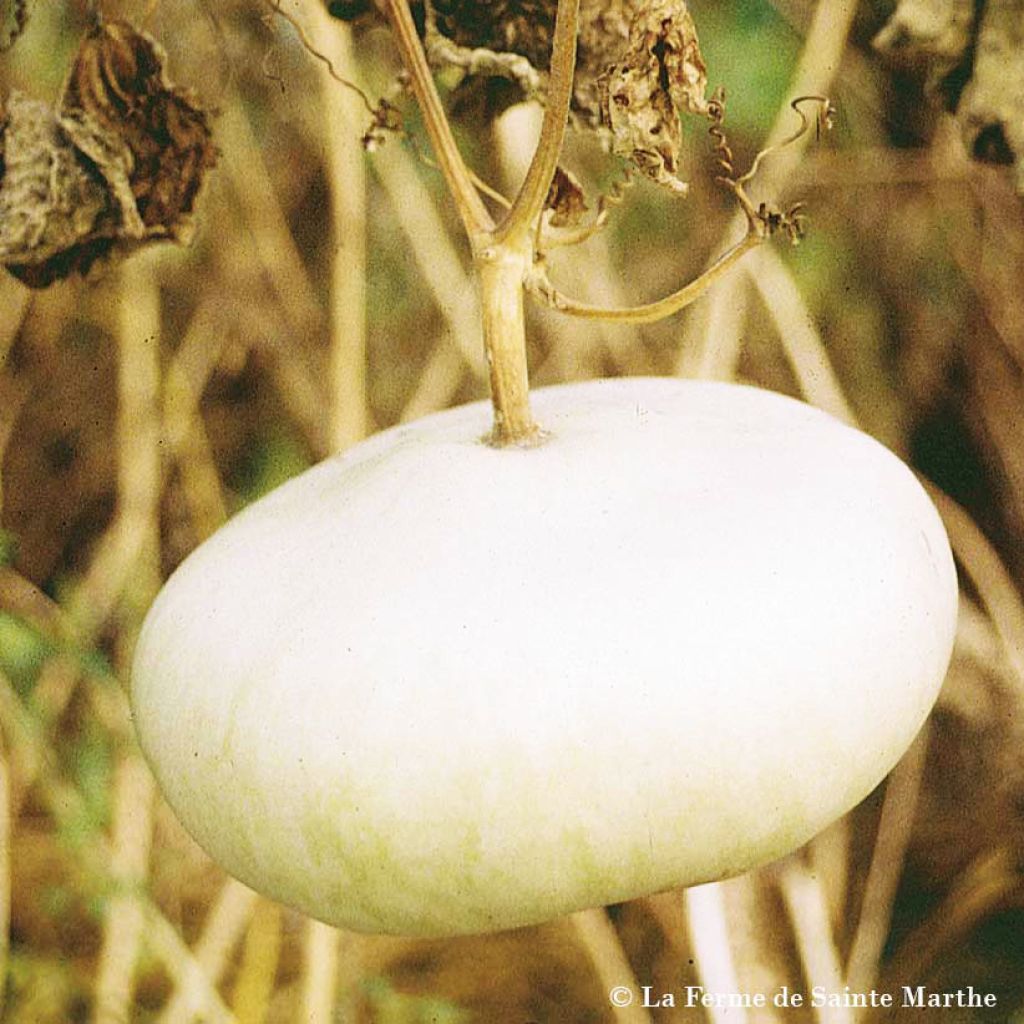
(504, 255)
(476, 219)
(504, 263)
(501, 271)
(346, 175)
(652, 311)
(519, 223)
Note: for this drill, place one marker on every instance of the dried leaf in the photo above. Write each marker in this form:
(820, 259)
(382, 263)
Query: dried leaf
(661, 75)
(973, 58)
(604, 37)
(524, 27)
(991, 112)
(52, 202)
(511, 40)
(118, 163)
(934, 32)
(566, 200)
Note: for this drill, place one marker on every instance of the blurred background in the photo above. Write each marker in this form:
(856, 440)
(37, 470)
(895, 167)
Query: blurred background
(326, 295)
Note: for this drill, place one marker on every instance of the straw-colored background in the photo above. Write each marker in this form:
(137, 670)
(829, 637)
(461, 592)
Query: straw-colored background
(141, 408)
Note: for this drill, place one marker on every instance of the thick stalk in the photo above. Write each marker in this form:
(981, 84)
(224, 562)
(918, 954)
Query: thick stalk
(501, 270)
(520, 221)
(474, 214)
(502, 256)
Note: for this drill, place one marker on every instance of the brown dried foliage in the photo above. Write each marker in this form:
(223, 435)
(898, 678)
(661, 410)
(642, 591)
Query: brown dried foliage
(660, 76)
(638, 66)
(117, 163)
(972, 56)
(566, 200)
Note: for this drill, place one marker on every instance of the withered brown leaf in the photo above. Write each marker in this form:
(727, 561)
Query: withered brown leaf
(661, 75)
(566, 200)
(52, 202)
(973, 59)
(117, 164)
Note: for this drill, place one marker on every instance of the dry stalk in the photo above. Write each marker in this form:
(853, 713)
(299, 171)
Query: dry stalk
(25, 756)
(752, 917)
(800, 339)
(829, 857)
(266, 224)
(185, 436)
(343, 113)
(65, 805)
(189, 371)
(437, 384)
(24, 599)
(222, 929)
(736, 937)
(134, 530)
(12, 400)
(185, 971)
(55, 686)
(200, 481)
(275, 252)
(257, 972)
(7, 824)
(124, 919)
(435, 254)
(294, 381)
(717, 333)
(712, 949)
(808, 910)
(995, 587)
(894, 831)
(600, 940)
(321, 949)
(137, 520)
(990, 883)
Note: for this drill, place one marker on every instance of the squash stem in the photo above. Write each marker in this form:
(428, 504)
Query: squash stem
(501, 271)
(503, 255)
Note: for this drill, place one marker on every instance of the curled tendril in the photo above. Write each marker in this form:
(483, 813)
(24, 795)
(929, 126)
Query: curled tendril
(823, 121)
(381, 114)
(764, 219)
(723, 152)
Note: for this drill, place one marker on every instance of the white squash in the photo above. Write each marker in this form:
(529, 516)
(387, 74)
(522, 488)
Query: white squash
(431, 687)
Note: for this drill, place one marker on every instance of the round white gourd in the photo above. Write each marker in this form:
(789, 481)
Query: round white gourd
(431, 687)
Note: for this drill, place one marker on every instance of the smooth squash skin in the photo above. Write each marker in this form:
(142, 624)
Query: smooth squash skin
(431, 687)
